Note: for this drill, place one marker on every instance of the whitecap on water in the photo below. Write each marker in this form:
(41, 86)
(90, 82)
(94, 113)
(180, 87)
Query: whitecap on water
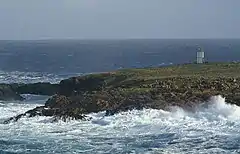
(211, 128)
(28, 77)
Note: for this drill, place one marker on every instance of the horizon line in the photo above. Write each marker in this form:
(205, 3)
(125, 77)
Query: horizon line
(114, 39)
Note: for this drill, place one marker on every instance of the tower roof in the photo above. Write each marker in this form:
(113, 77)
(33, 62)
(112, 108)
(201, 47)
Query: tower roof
(199, 49)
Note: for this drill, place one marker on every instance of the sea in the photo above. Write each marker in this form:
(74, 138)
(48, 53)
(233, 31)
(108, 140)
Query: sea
(212, 128)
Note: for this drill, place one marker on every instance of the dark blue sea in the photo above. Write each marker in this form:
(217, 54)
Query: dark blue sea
(212, 129)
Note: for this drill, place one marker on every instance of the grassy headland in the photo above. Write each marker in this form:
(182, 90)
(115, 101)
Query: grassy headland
(158, 88)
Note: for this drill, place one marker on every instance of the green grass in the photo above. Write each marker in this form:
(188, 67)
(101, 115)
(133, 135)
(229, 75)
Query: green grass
(204, 70)
(140, 80)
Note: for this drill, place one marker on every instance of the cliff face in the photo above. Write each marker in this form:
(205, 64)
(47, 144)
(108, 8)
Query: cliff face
(158, 88)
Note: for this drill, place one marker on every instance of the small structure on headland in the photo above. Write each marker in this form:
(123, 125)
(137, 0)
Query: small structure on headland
(200, 56)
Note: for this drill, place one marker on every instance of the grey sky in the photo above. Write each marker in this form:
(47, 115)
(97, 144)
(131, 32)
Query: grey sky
(106, 19)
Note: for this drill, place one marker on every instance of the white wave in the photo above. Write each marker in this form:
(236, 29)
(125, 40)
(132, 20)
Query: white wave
(35, 98)
(11, 109)
(219, 109)
(28, 77)
(212, 127)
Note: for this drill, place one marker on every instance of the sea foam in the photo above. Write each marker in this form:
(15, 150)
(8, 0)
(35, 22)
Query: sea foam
(213, 127)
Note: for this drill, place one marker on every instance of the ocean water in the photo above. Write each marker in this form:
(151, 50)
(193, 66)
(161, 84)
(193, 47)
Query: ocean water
(212, 128)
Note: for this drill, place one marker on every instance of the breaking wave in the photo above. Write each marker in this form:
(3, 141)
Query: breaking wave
(212, 127)
(27, 77)
(34, 77)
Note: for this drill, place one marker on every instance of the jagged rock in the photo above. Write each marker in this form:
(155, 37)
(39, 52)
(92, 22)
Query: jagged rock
(57, 101)
(30, 113)
(156, 88)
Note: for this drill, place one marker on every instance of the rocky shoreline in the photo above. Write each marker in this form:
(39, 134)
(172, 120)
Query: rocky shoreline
(158, 88)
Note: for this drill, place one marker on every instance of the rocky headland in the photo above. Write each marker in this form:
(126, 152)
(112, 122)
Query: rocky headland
(158, 88)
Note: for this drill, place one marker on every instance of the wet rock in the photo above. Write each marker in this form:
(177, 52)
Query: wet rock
(123, 91)
(31, 113)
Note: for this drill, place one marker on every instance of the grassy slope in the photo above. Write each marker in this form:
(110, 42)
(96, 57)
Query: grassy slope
(178, 79)
(211, 70)
(191, 70)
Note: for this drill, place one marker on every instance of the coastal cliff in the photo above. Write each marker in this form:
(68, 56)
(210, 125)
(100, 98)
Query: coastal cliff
(158, 88)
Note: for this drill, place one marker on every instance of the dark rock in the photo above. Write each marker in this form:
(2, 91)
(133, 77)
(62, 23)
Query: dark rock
(76, 85)
(14, 91)
(38, 88)
(137, 89)
(31, 113)
(8, 93)
(57, 101)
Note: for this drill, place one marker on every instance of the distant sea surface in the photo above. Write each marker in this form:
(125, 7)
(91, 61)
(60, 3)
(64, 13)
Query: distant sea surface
(73, 56)
(212, 129)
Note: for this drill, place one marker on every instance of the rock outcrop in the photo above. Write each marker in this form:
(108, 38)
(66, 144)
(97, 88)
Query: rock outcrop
(9, 92)
(157, 88)
(41, 88)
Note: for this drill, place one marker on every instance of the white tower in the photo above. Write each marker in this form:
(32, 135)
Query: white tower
(200, 56)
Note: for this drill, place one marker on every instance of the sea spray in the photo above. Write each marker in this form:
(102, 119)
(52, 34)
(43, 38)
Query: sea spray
(213, 127)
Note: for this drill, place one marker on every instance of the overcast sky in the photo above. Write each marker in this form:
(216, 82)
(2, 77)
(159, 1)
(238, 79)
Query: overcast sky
(106, 19)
